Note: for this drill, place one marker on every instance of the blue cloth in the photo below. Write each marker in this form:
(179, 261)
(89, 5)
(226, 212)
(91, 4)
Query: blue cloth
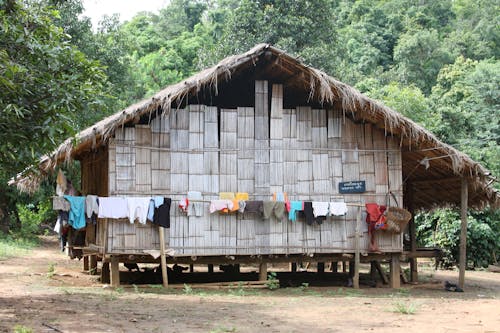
(154, 203)
(294, 207)
(76, 212)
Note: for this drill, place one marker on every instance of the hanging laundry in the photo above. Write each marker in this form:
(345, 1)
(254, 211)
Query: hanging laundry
(308, 212)
(76, 212)
(280, 196)
(195, 208)
(154, 203)
(112, 208)
(337, 208)
(218, 205)
(183, 205)
(270, 207)
(295, 206)
(320, 208)
(137, 208)
(242, 205)
(92, 208)
(254, 207)
(162, 213)
(226, 195)
(241, 196)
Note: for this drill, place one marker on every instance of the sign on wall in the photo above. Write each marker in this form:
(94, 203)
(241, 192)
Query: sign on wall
(357, 186)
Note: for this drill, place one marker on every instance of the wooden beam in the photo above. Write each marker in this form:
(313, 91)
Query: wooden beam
(115, 272)
(355, 278)
(163, 259)
(262, 271)
(463, 233)
(395, 271)
(105, 272)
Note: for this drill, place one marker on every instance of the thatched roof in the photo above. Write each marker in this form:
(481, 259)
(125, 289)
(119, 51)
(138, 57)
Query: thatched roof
(437, 185)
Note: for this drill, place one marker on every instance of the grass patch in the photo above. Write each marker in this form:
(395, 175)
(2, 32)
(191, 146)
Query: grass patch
(15, 247)
(223, 330)
(406, 308)
(22, 329)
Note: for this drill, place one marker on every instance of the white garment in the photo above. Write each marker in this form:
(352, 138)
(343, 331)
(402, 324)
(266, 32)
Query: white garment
(112, 208)
(91, 205)
(338, 208)
(320, 208)
(217, 205)
(137, 208)
(195, 208)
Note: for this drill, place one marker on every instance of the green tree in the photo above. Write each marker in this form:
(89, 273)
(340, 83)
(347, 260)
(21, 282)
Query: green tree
(46, 84)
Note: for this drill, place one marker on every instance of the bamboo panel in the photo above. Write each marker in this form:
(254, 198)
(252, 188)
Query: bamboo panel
(111, 167)
(379, 143)
(125, 159)
(228, 159)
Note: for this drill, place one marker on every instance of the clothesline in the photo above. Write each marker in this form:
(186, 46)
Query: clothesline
(159, 193)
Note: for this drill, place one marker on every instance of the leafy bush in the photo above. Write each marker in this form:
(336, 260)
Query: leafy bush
(441, 228)
(32, 217)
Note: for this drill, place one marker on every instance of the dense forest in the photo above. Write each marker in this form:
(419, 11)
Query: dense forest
(436, 62)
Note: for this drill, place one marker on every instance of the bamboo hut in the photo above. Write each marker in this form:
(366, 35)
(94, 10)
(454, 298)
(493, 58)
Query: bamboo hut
(262, 122)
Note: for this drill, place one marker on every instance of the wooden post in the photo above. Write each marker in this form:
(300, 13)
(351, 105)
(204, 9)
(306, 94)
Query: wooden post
(86, 264)
(263, 271)
(105, 272)
(115, 272)
(163, 259)
(293, 267)
(463, 233)
(344, 266)
(373, 270)
(355, 278)
(93, 264)
(191, 268)
(335, 266)
(395, 271)
(413, 234)
(210, 268)
(321, 267)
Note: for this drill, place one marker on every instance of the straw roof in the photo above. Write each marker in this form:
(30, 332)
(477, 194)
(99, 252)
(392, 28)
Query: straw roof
(432, 167)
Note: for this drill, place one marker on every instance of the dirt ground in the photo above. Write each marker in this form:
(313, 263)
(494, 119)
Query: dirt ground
(47, 292)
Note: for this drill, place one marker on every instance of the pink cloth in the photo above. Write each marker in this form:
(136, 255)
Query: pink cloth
(217, 205)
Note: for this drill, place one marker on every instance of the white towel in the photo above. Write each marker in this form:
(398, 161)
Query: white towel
(338, 208)
(320, 208)
(137, 208)
(112, 208)
(195, 208)
(91, 205)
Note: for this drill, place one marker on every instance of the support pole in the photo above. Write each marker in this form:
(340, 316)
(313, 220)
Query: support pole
(115, 272)
(293, 267)
(210, 268)
(163, 259)
(321, 267)
(395, 271)
(263, 271)
(93, 264)
(335, 266)
(105, 278)
(86, 264)
(413, 234)
(355, 278)
(463, 233)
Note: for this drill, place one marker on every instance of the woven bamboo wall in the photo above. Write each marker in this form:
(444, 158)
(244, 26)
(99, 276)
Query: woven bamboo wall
(260, 150)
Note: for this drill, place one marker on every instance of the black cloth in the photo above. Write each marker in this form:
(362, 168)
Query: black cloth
(162, 214)
(308, 212)
(254, 207)
(320, 219)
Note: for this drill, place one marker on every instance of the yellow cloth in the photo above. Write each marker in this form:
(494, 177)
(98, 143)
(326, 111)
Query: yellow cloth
(226, 195)
(241, 196)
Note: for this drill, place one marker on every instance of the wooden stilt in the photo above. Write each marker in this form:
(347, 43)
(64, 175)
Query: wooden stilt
(293, 267)
(344, 266)
(93, 264)
(210, 268)
(335, 266)
(163, 258)
(115, 272)
(191, 268)
(105, 272)
(355, 278)
(85, 263)
(262, 271)
(351, 268)
(380, 271)
(395, 271)
(413, 234)
(463, 233)
(373, 270)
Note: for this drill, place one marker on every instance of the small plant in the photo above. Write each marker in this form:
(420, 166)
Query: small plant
(51, 270)
(304, 286)
(188, 290)
(22, 329)
(404, 308)
(272, 281)
(119, 290)
(223, 330)
(136, 289)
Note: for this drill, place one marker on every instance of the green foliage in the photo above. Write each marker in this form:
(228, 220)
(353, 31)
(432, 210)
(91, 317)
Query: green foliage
(15, 246)
(272, 282)
(188, 290)
(22, 329)
(404, 307)
(32, 217)
(442, 229)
